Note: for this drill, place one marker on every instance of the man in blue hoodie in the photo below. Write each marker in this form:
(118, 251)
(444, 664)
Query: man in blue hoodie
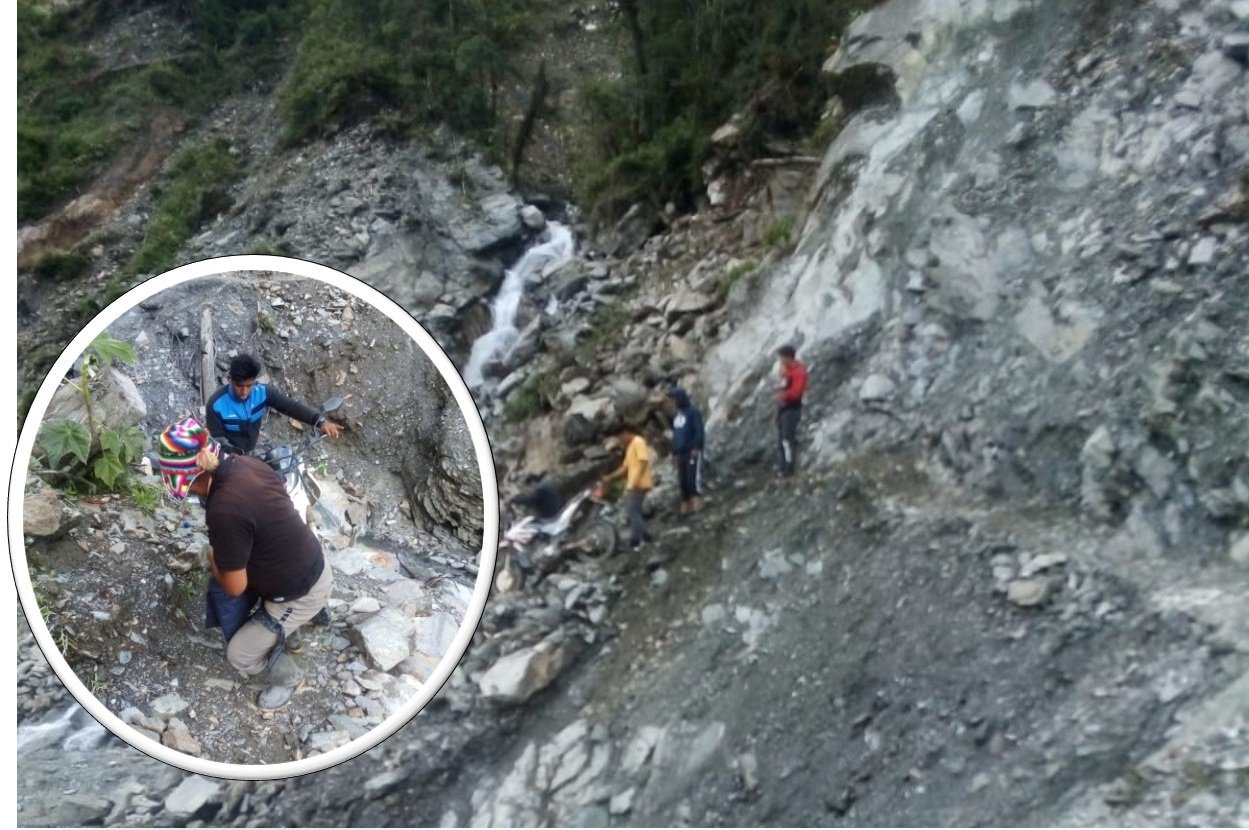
(687, 450)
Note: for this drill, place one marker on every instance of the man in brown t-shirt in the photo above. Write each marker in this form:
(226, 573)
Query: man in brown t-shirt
(259, 544)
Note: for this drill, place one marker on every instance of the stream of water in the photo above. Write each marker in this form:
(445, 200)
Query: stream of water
(555, 248)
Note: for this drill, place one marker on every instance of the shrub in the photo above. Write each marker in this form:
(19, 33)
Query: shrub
(778, 234)
(193, 189)
(92, 456)
(61, 265)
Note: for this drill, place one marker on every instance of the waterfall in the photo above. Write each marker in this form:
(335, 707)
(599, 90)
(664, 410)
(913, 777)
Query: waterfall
(72, 729)
(555, 248)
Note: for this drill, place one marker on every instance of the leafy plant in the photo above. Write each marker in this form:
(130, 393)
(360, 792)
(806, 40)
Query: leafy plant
(93, 455)
(146, 496)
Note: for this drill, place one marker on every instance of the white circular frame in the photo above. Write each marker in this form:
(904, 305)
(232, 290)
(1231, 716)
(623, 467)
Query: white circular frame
(486, 562)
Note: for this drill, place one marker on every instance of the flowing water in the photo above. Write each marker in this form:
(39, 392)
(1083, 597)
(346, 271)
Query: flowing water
(555, 248)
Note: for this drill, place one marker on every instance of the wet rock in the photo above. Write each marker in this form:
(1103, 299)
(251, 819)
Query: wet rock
(83, 810)
(532, 217)
(497, 222)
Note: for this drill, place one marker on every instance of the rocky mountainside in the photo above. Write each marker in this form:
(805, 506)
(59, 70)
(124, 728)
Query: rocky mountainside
(1005, 588)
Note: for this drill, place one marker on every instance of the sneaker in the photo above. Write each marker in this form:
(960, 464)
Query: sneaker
(295, 642)
(322, 618)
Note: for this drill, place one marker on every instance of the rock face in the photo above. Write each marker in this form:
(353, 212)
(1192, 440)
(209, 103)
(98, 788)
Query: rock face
(1007, 584)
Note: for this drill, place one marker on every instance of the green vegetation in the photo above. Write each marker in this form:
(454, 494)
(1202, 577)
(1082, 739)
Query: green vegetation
(192, 190)
(606, 326)
(779, 233)
(77, 110)
(693, 64)
(420, 61)
(732, 276)
(61, 265)
(146, 496)
(532, 398)
(94, 457)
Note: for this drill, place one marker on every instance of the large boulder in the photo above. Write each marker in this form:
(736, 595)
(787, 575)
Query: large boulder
(115, 401)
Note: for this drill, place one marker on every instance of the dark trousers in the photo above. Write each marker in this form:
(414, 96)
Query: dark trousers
(633, 511)
(787, 437)
(688, 475)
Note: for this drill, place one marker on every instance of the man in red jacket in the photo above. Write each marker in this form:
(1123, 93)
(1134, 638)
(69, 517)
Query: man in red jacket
(789, 407)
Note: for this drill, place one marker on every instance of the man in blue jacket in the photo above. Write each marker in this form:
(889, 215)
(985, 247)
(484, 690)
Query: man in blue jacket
(236, 410)
(687, 450)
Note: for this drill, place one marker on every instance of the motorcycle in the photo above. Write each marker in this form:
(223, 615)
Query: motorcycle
(287, 460)
(584, 524)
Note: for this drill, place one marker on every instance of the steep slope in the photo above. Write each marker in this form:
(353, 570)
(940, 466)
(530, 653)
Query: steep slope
(1005, 588)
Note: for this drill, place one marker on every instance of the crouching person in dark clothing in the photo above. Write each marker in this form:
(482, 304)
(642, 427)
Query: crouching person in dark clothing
(260, 546)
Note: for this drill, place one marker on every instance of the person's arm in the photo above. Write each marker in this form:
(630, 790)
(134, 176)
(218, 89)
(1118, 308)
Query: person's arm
(300, 411)
(233, 583)
(230, 547)
(697, 435)
(212, 419)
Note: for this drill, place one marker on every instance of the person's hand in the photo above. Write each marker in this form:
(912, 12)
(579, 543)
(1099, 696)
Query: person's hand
(331, 429)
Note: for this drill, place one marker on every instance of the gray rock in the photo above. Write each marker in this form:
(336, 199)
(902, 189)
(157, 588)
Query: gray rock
(1236, 47)
(41, 514)
(181, 741)
(1203, 252)
(621, 803)
(876, 389)
(385, 638)
(1239, 551)
(115, 401)
(520, 675)
(1032, 95)
(191, 795)
(1156, 470)
(1028, 592)
(83, 810)
(1044, 562)
(366, 605)
(166, 706)
(532, 217)
(498, 222)
(1188, 99)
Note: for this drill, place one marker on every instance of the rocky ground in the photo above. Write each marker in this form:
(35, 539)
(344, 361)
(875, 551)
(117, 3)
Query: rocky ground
(1006, 587)
(122, 585)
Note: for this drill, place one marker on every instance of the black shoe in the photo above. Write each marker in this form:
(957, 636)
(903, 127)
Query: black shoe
(322, 618)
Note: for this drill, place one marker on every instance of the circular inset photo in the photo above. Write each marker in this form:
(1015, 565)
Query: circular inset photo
(258, 517)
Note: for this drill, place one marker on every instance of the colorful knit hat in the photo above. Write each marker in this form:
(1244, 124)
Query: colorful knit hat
(179, 448)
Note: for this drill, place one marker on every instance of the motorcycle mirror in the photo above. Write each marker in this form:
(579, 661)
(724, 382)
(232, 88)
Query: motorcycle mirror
(332, 404)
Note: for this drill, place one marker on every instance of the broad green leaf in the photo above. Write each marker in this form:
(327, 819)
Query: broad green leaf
(111, 442)
(63, 437)
(107, 468)
(107, 349)
(131, 444)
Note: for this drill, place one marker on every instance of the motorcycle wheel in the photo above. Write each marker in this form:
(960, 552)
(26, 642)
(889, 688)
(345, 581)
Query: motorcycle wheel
(599, 538)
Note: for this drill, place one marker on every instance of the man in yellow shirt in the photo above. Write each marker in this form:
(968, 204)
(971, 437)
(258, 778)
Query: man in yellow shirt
(636, 471)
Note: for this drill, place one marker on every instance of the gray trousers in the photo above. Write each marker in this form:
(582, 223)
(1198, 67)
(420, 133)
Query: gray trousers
(633, 511)
(248, 650)
(787, 437)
